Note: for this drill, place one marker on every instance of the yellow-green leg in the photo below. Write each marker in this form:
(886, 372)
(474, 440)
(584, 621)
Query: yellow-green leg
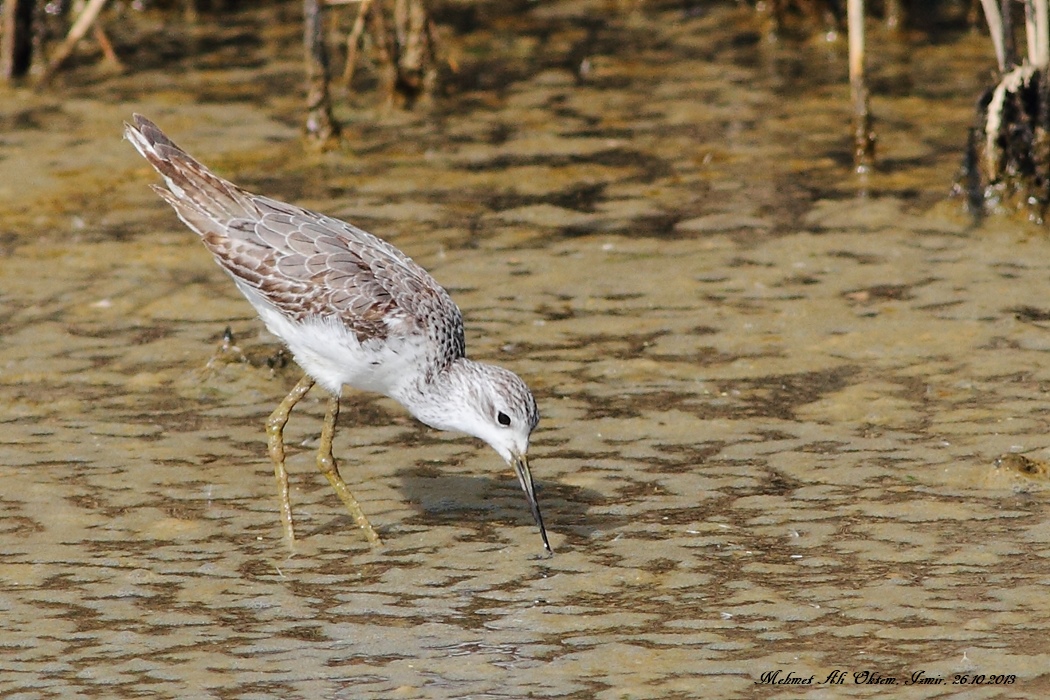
(275, 441)
(327, 464)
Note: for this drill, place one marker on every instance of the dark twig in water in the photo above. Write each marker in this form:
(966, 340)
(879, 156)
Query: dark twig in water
(353, 40)
(320, 125)
(404, 44)
(85, 20)
(16, 39)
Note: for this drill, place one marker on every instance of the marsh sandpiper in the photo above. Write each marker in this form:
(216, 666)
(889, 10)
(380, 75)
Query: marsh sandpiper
(354, 311)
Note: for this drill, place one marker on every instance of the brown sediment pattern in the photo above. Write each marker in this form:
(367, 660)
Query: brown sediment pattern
(775, 411)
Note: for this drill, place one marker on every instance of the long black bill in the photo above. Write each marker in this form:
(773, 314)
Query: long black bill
(521, 466)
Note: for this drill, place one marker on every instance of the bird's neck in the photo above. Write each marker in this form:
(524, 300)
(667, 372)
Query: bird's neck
(440, 399)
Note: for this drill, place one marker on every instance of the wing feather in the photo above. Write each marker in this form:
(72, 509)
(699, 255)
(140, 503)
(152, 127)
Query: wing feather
(303, 263)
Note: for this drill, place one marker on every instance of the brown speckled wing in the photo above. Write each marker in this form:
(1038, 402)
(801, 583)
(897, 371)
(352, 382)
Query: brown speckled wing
(305, 264)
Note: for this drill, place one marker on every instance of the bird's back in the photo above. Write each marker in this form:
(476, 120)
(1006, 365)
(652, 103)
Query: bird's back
(308, 266)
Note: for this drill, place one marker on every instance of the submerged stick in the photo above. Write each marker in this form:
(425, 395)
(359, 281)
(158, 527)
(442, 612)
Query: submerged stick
(16, 39)
(353, 40)
(320, 125)
(863, 136)
(995, 30)
(80, 27)
(1039, 50)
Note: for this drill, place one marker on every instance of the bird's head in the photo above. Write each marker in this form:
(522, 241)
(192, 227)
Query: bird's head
(494, 404)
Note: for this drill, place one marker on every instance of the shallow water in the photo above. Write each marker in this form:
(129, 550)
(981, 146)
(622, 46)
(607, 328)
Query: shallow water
(774, 395)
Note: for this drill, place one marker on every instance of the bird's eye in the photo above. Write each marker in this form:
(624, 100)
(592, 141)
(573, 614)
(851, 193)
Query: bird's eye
(503, 419)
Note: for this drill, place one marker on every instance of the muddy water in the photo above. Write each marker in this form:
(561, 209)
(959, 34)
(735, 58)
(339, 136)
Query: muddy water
(774, 396)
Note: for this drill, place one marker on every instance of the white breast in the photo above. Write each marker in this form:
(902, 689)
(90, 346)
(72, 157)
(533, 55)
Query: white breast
(333, 356)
